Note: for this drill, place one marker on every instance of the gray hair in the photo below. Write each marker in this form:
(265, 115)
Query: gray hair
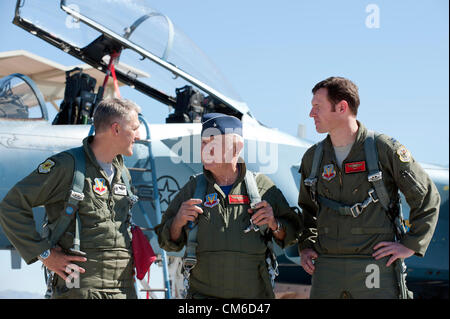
(111, 110)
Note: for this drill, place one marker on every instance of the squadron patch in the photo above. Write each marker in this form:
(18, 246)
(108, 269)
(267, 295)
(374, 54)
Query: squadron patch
(46, 167)
(403, 154)
(328, 172)
(211, 200)
(100, 186)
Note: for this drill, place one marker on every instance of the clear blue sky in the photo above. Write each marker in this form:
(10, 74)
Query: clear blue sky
(274, 52)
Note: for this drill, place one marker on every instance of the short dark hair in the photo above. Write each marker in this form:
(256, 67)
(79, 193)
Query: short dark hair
(110, 110)
(339, 89)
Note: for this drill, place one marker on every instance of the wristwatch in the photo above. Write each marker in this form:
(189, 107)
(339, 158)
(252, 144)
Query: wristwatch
(44, 255)
(278, 228)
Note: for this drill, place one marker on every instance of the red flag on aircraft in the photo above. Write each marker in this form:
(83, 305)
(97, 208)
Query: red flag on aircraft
(143, 253)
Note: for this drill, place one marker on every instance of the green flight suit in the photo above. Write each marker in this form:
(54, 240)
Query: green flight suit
(344, 243)
(230, 263)
(105, 236)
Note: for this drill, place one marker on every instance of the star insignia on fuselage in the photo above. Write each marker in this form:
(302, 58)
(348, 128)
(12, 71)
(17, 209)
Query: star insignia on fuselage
(166, 193)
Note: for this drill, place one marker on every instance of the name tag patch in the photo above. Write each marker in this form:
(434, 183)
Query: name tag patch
(238, 199)
(355, 167)
(120, 189)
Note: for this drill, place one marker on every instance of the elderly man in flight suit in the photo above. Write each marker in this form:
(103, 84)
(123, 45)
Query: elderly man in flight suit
(231, 261)
(107, 267)
(348, 240)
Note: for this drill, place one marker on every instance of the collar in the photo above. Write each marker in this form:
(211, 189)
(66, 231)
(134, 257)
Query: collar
(360, 138)
(242, 171)
(117, 161)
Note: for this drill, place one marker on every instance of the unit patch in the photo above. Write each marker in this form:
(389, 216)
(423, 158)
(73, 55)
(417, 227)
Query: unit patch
(355, 167)
(46, 167)
(211, 200)
(238, 199)
(100, 186)
(403, 154)
(328, 172)
(120, 189)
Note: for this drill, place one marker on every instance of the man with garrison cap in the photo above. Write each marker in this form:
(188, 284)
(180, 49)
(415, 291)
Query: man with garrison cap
(228, 243)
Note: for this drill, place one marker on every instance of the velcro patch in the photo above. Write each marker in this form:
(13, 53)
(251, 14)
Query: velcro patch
(238, 199)
(403, 154)
(99, 186)
(46, 167)
(211, 200)
(355, 167)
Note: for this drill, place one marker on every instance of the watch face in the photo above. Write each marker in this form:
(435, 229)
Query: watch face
(45, 254)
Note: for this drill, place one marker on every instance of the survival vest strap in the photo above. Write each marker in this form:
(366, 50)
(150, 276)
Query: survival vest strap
(190, 258)
(375, 177)
(75, 197)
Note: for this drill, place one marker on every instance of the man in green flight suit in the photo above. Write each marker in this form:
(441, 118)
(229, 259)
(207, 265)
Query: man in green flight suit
(105, 238)
(230, 257)
(348, 235)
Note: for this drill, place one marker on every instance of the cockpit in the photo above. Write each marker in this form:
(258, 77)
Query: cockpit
(20, 99)
(137, 46)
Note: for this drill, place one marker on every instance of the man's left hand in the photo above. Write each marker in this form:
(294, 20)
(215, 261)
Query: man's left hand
(263, 215)
(386, 248)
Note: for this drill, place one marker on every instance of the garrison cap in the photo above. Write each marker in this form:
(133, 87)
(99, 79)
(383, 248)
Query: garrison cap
(219, 124)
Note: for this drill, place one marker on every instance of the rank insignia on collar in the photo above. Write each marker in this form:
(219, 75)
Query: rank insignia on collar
(46, 167)
(211, 200)
(238, 199)
(328, 172)
(403, 154)
(355, 167)
(99, 186)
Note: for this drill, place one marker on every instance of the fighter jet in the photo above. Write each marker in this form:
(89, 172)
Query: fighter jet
(127, 43)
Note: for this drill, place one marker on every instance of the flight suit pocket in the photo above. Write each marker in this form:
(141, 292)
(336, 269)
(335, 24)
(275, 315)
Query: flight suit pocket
(412, 187)
(121, 208)
(98, 203)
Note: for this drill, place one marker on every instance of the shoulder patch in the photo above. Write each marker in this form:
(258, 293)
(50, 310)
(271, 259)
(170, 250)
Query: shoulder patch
(403, 154)
(46, 167)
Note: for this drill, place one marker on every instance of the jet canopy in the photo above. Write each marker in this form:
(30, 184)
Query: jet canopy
(20, 99)
(147, 41)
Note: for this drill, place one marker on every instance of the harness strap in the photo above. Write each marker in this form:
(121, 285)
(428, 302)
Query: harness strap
(375, 176)
(255, 198)
(190, 258)
(311, 181)
(75, 196)
(133, 199)
(345, 210)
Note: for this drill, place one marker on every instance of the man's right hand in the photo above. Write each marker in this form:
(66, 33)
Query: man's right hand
(60, 263)
(188, 212)
(307, 256)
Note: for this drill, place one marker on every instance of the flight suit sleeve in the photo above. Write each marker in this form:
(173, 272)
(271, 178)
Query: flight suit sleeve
(46, 185)
(286, 215)
(308, 208)
(421, 195)
(163, 229)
